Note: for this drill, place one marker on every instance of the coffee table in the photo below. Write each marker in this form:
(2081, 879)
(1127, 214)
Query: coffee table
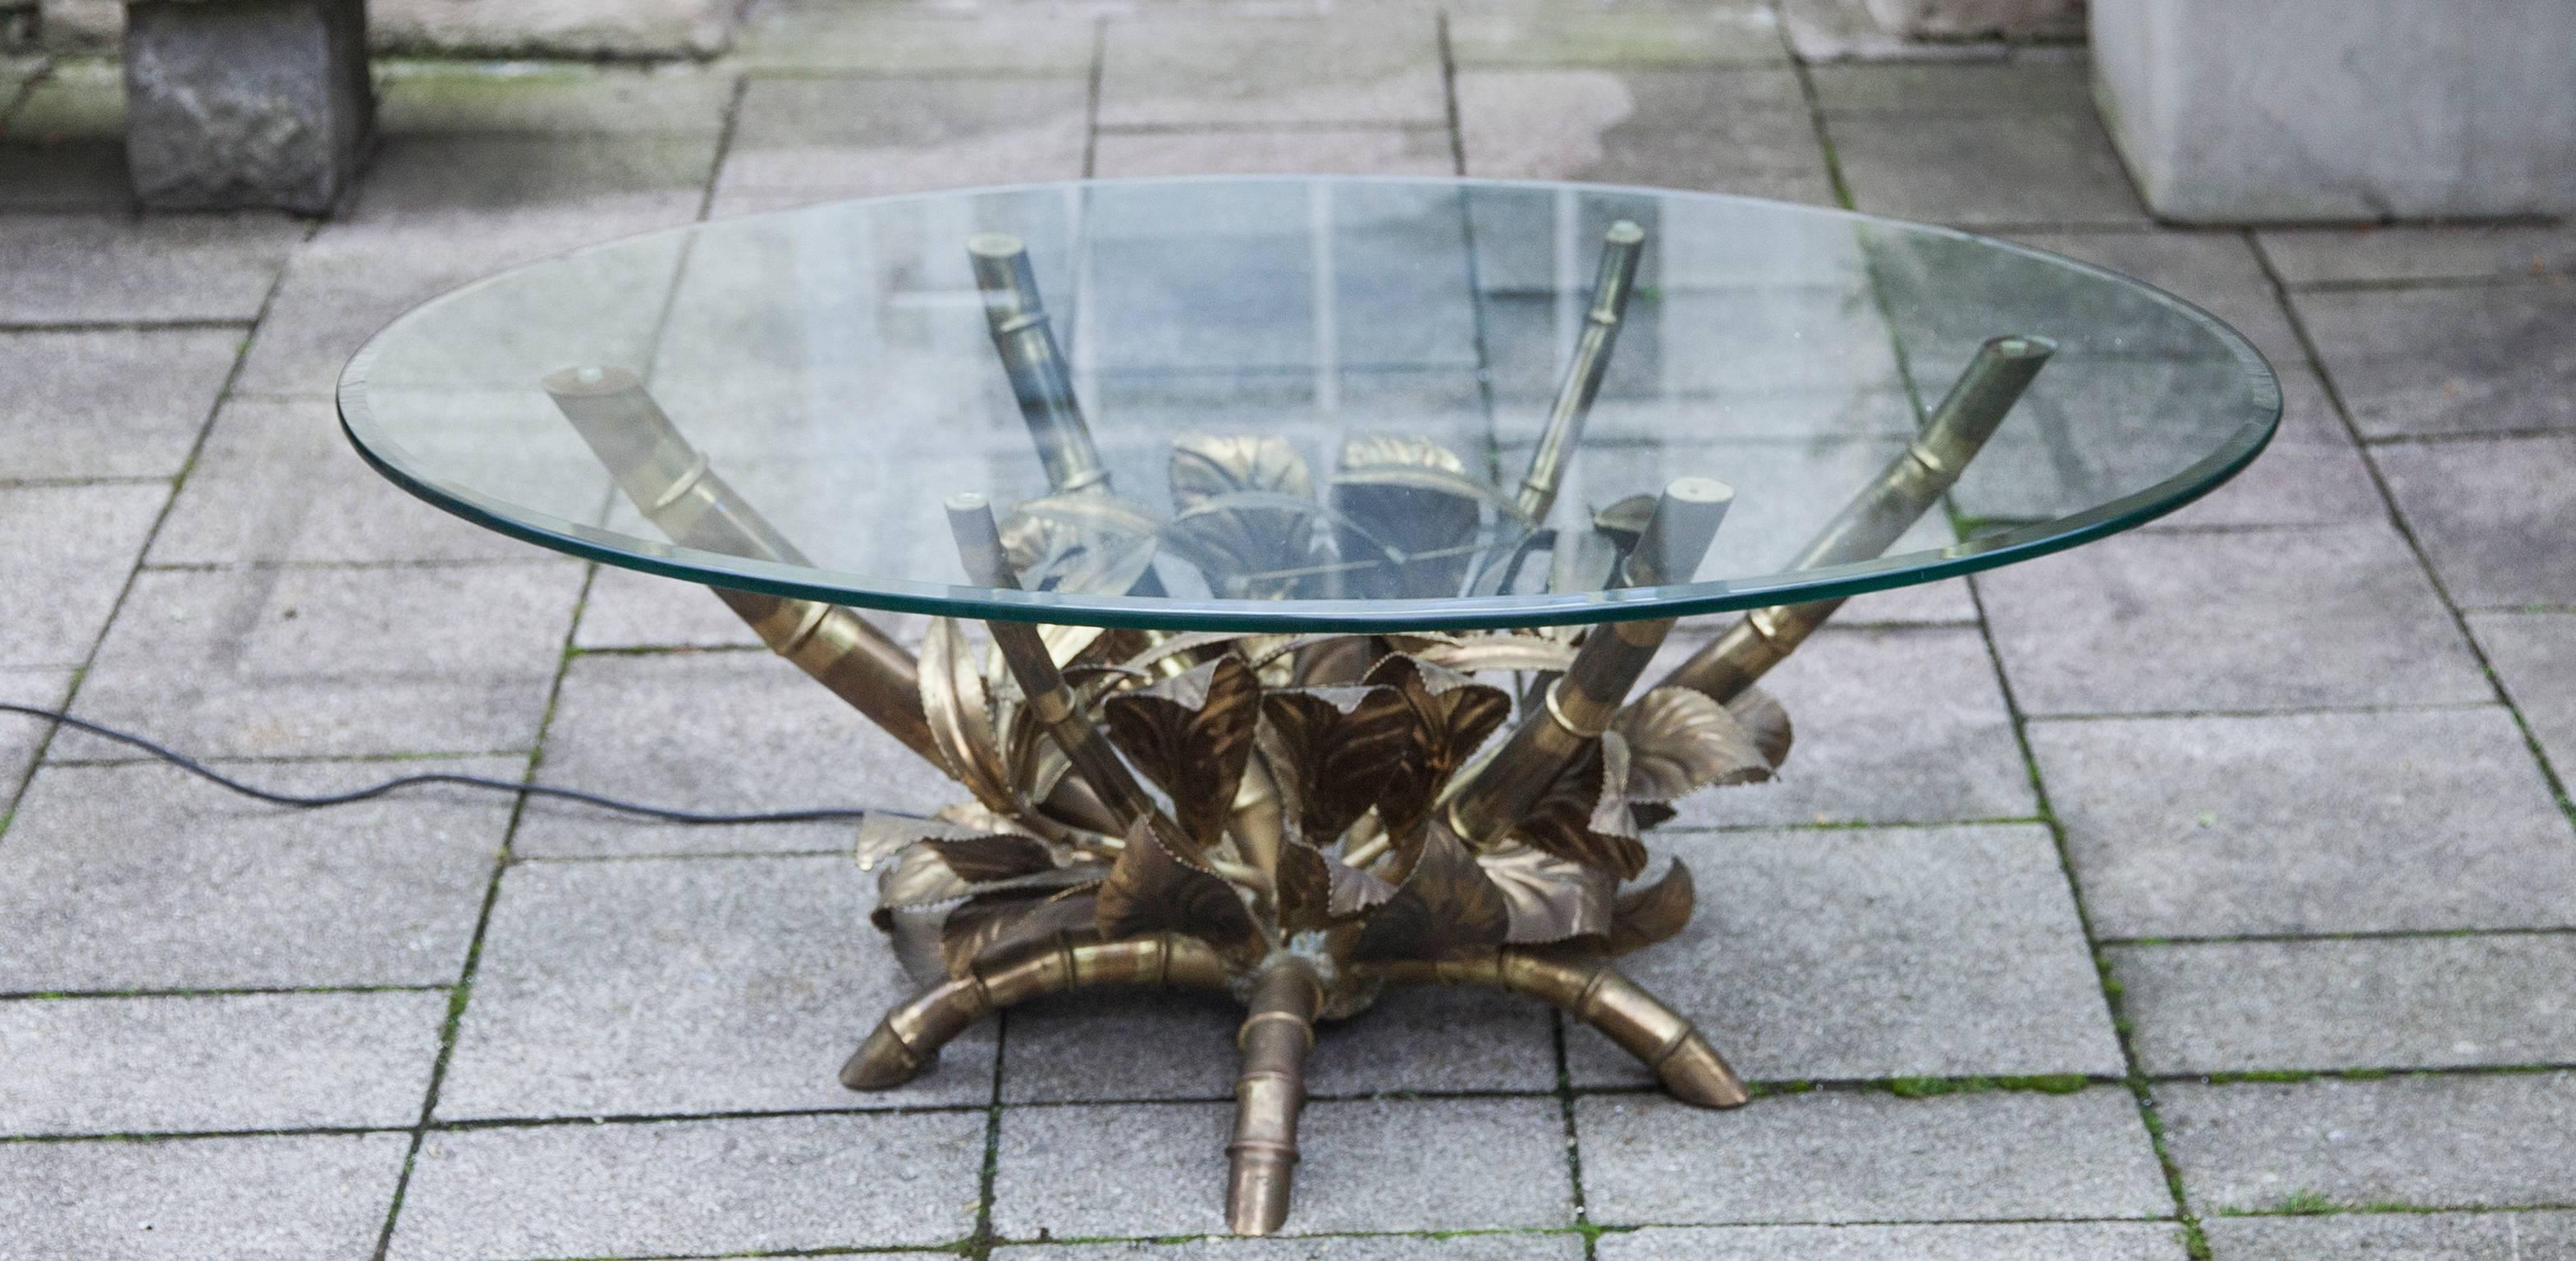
(1320, 530)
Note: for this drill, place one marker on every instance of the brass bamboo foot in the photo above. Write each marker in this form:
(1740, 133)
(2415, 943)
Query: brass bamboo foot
(1277, 1034)
(1594, 992)
(908, 1039)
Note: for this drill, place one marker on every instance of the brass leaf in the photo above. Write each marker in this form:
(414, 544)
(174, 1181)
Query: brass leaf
(1413, 495)
(1550, 898)
(1247, 542)
(1354, 890)
(1680, 741)
(1446, 908)
(983, 859)
(1583, 816)
(1452, 714)
(1305, 882)
(1651, 913)
(961, 728)
(1207, 465)
(1000, 928)
(1150, 891)
(1333, 750)
(882, 834)
(1192, 735)
(1765, 721)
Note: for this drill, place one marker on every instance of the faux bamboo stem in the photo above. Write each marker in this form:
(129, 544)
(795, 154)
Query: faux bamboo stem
(1277, 1034)
(1579, 704)
(908, 1039)
(1039, 378)
(670, 481)
(1594, 992)
(1612, 281)
(1875, 518)
(979, 545)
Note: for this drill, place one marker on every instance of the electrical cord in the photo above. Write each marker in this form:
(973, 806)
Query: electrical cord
(194, 767)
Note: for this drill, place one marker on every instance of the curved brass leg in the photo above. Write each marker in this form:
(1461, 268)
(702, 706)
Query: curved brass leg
(1594, 992)
(908, 1039)
(1277, 1034)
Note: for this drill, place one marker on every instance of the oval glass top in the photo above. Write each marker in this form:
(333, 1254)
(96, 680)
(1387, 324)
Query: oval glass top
(1308, 404)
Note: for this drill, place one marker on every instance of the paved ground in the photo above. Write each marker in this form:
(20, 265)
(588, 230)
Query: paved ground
(2214, 892)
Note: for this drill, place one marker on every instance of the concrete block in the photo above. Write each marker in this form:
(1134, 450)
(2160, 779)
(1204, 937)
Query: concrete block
(246, 102)
(2325, 110)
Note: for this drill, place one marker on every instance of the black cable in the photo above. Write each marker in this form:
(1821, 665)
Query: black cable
(191, 765)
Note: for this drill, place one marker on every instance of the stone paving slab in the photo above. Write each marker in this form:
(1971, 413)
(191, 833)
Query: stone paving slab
(1325, 150)
(1723, 33)
(207, 1199)
(322, 662)
(2014, 89)
(2534, 656)
(870, 137)
(277, 482)
(1867, 1156)
(1499, 1246)
(2394, 1237)
(2407, 252)
(141, 877)
(2311, 474)
(2271, 619)
(1379, 67)
(2449, 359)
(1145, 1045)
(2213, 826)
(613, 185)
(715, 732)
(627, 608)
(65, 268)
(70, 547)
(2014, 1241)
(685, 986)
(1375, 1165)
(2416, 1002)
(1896, 952)
(20, 734)
(825, 35)
(2491, 516)
(423, 98)
(2434, 1141)
(109, 402)
(2053, 169)
(1734, 130)
(2216, 271)
(1903, 725)
(217, 1062)
(766, 1184)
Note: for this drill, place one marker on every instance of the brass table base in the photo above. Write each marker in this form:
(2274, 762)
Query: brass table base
(1278, 1032)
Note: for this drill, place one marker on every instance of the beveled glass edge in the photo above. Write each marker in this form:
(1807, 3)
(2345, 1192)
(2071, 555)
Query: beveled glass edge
(894, 595)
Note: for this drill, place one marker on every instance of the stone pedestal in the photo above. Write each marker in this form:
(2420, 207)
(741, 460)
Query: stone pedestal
(2237, 111)
(245, 102)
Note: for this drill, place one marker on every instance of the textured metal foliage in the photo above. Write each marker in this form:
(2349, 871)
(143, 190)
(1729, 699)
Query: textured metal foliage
(1353, 857)
(1446, 908)
(1191, 735)
(1680, 741)
(1333, 749)
(1150, 890)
